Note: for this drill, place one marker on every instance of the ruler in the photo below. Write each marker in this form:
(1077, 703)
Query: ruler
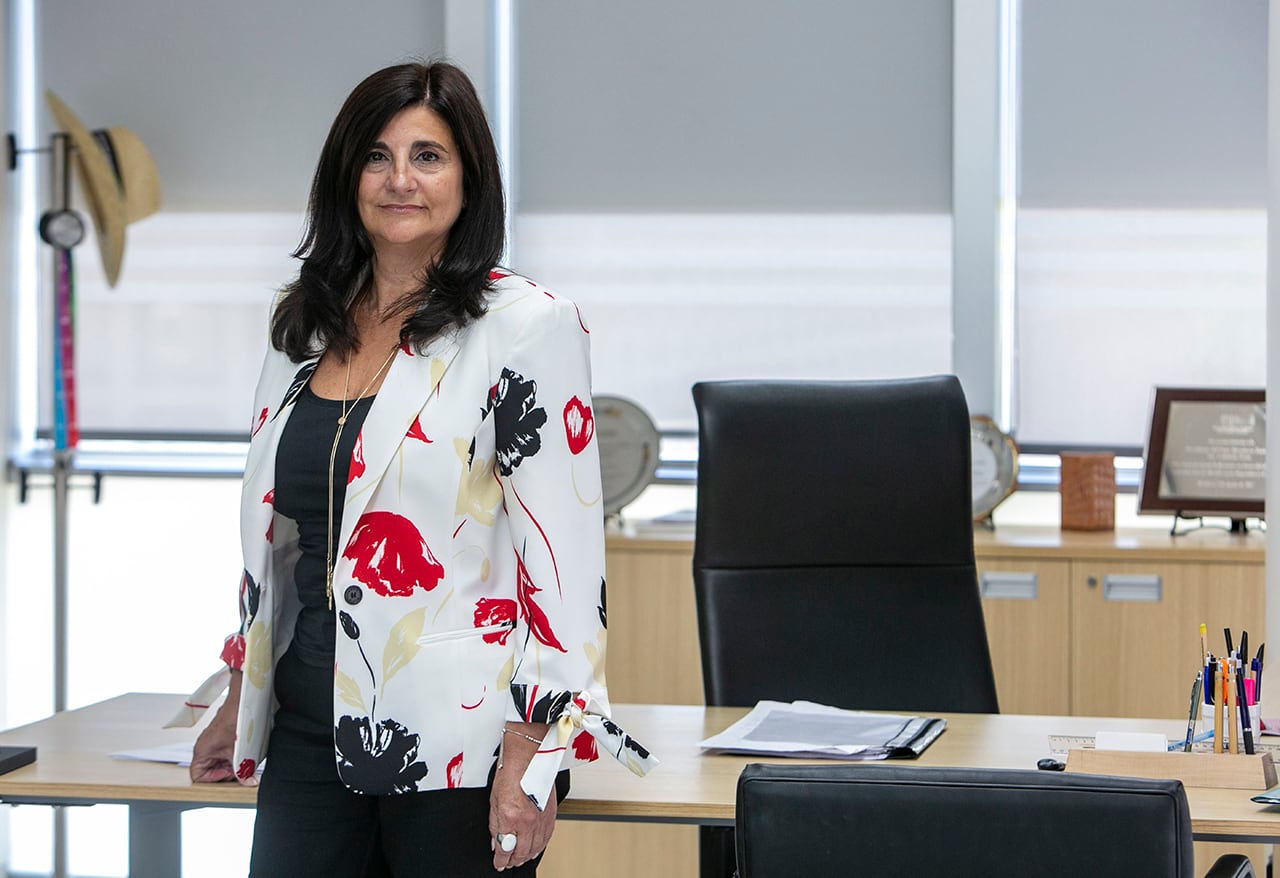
(1059, 744)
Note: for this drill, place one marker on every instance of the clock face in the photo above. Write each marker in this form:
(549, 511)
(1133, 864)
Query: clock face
(995, 465)
(62, 228)
(628, 449)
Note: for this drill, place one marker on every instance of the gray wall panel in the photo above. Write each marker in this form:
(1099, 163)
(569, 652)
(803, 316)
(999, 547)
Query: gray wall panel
(1144, 103)
(667, 105)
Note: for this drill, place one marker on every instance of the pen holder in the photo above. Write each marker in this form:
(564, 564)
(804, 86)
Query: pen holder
(1087, 487)
(1255, 715)
(1230, 772)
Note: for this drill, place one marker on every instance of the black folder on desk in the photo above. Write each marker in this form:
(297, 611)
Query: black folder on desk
(809, 730)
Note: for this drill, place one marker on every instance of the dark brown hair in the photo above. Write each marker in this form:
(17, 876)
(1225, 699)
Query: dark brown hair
(314, 312)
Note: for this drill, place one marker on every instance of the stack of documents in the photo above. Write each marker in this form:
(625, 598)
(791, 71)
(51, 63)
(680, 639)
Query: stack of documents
(803, 728)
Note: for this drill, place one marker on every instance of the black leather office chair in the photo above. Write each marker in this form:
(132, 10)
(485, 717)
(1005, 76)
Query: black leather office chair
(833, 555)
(882, 820)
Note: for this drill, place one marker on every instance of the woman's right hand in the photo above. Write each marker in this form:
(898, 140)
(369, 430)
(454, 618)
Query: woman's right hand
(211, 757)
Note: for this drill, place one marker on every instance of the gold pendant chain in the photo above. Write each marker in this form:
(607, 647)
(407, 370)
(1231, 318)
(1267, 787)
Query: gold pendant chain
(333, 456)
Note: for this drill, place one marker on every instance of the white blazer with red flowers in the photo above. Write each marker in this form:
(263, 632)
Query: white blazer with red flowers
(469, 582)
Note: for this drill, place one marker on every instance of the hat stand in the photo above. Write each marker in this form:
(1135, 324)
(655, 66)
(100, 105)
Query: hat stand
(66, 431)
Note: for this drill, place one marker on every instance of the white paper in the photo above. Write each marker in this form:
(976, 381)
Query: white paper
(803, 728)
(1141, 742)
(178, 753)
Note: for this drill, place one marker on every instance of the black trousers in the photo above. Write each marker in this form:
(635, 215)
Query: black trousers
(309, 824)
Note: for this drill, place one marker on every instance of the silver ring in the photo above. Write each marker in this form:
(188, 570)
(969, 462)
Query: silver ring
(507, 842)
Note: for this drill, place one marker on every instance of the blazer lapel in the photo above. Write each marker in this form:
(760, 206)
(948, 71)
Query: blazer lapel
(410, 386)
(256, 502)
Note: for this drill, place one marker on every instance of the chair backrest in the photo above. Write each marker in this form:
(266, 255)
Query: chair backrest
(833, 556)
(881, 820)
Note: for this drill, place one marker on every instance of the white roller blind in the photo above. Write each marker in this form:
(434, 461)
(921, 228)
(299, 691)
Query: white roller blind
(738, 190)
(1142, 233)
(734, 105)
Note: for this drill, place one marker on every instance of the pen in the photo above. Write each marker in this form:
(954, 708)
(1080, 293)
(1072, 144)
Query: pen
(1217, 709)
(1204, 644)
(1203, 736)
(1257, 679)
(1246, 727)
(1227, 633)
(1192, 714)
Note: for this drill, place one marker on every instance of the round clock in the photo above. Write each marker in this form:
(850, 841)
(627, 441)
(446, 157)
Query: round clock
(995, 465)
(628, 443)
(62, 228)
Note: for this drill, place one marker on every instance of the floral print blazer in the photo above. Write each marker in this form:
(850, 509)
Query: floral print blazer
(469, 576)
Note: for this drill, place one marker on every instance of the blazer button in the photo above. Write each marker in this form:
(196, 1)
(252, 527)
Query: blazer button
(352, 594)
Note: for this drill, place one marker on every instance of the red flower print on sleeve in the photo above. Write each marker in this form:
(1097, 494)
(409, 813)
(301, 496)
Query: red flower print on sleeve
(246, 769)
(262, 419)
(579, 425)
(356, 470)
(495, 611)
(416, 432)
(584, 747)
(538, 624)
(391, 556)
(454, 772)
(233, 651)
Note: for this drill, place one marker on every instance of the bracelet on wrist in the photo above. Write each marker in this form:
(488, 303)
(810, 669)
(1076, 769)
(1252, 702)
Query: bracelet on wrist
(507, 731)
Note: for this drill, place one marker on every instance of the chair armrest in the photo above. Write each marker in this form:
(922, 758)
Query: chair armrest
(1231, 866)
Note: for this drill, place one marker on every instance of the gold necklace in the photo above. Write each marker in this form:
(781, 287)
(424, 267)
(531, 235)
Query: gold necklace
(333, 456)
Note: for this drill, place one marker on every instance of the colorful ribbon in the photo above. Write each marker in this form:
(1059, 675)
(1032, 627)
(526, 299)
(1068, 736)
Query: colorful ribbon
(66, 430)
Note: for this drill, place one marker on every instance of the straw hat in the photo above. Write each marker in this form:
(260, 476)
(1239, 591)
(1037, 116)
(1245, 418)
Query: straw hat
(118, 178)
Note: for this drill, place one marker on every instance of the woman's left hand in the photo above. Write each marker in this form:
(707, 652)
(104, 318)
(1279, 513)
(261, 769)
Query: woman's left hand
(511, 812)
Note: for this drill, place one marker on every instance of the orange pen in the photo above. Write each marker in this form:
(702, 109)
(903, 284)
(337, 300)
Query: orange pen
(1229, 693)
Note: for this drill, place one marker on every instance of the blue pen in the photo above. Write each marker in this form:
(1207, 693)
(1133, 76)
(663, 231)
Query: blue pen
(1206, 735)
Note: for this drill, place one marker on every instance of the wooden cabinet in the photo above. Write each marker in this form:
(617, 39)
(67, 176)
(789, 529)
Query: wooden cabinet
(1107, 624)
(1100, 623)
(1027, 606)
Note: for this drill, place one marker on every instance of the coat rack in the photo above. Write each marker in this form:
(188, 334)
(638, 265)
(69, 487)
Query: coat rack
(120, 183)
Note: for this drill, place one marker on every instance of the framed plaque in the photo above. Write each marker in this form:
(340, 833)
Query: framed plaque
(1206, 453)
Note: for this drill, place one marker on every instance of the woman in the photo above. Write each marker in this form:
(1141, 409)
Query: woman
(422, 606)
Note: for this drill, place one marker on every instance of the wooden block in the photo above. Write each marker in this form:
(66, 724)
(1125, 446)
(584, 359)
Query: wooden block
(1087, 486)
(1217, 770)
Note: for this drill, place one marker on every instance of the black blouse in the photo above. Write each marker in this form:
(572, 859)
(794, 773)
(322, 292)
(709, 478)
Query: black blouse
(302, 478)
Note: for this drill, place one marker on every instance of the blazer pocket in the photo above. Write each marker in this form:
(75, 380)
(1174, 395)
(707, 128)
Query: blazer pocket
(462, 633)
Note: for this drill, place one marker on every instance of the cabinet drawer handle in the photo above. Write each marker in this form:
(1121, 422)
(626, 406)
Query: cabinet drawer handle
(1009, 586)
(1131, 587)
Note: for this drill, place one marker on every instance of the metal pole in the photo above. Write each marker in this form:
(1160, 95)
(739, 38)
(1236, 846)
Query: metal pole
(61, 196)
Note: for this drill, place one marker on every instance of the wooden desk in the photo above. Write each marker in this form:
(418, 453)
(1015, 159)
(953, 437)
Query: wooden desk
(689, 786)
